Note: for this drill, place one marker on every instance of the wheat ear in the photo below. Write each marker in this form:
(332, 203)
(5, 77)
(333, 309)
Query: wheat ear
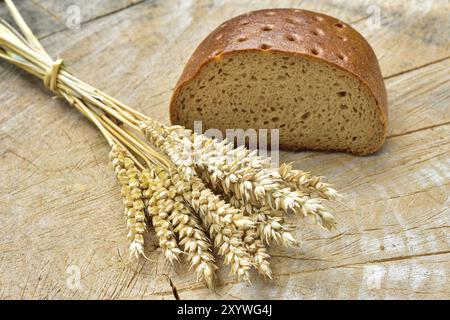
(159, 200)
(224, 223)
(313, 185)
(259, 186)
(252, 241)
(128, 176)
(184, 223)
(179, 152)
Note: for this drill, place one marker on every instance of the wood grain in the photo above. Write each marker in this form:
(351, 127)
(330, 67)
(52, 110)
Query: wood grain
(60, 206)
(49, 16)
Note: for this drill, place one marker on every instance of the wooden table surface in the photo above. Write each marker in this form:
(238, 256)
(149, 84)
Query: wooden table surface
(61, 213)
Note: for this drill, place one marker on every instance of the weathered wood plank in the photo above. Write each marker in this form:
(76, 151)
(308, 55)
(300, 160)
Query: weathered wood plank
(49, 16)
(61, 208)
(142, 83)
(394, 220)
(396, 217)
(419, 99)
(404, 34)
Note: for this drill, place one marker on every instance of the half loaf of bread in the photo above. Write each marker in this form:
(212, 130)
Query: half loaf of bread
(311, 76)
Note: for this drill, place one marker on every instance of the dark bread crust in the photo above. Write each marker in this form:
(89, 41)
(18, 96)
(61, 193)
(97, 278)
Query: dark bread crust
(297, 32)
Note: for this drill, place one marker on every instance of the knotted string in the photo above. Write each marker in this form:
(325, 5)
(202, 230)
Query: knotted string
(51, 76)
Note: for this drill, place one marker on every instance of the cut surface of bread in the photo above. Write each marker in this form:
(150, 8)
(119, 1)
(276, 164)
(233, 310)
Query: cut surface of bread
(316, 104)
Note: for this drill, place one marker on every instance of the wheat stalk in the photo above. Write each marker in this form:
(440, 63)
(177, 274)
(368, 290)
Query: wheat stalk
(197, 191)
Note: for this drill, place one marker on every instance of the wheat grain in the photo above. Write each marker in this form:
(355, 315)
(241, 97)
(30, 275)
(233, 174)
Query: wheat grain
(257, 252)
(269, 227)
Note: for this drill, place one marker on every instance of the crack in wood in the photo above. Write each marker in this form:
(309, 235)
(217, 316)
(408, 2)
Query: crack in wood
(350, 265)
(139, 2)
(415, 68)
(418, 130)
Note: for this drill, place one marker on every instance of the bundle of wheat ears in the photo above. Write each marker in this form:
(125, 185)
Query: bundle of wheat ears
(202, 196)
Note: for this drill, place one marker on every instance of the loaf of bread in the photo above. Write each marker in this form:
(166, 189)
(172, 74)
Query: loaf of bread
(311, 76)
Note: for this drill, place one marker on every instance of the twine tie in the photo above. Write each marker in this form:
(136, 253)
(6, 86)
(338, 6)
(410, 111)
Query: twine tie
(51, 76)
